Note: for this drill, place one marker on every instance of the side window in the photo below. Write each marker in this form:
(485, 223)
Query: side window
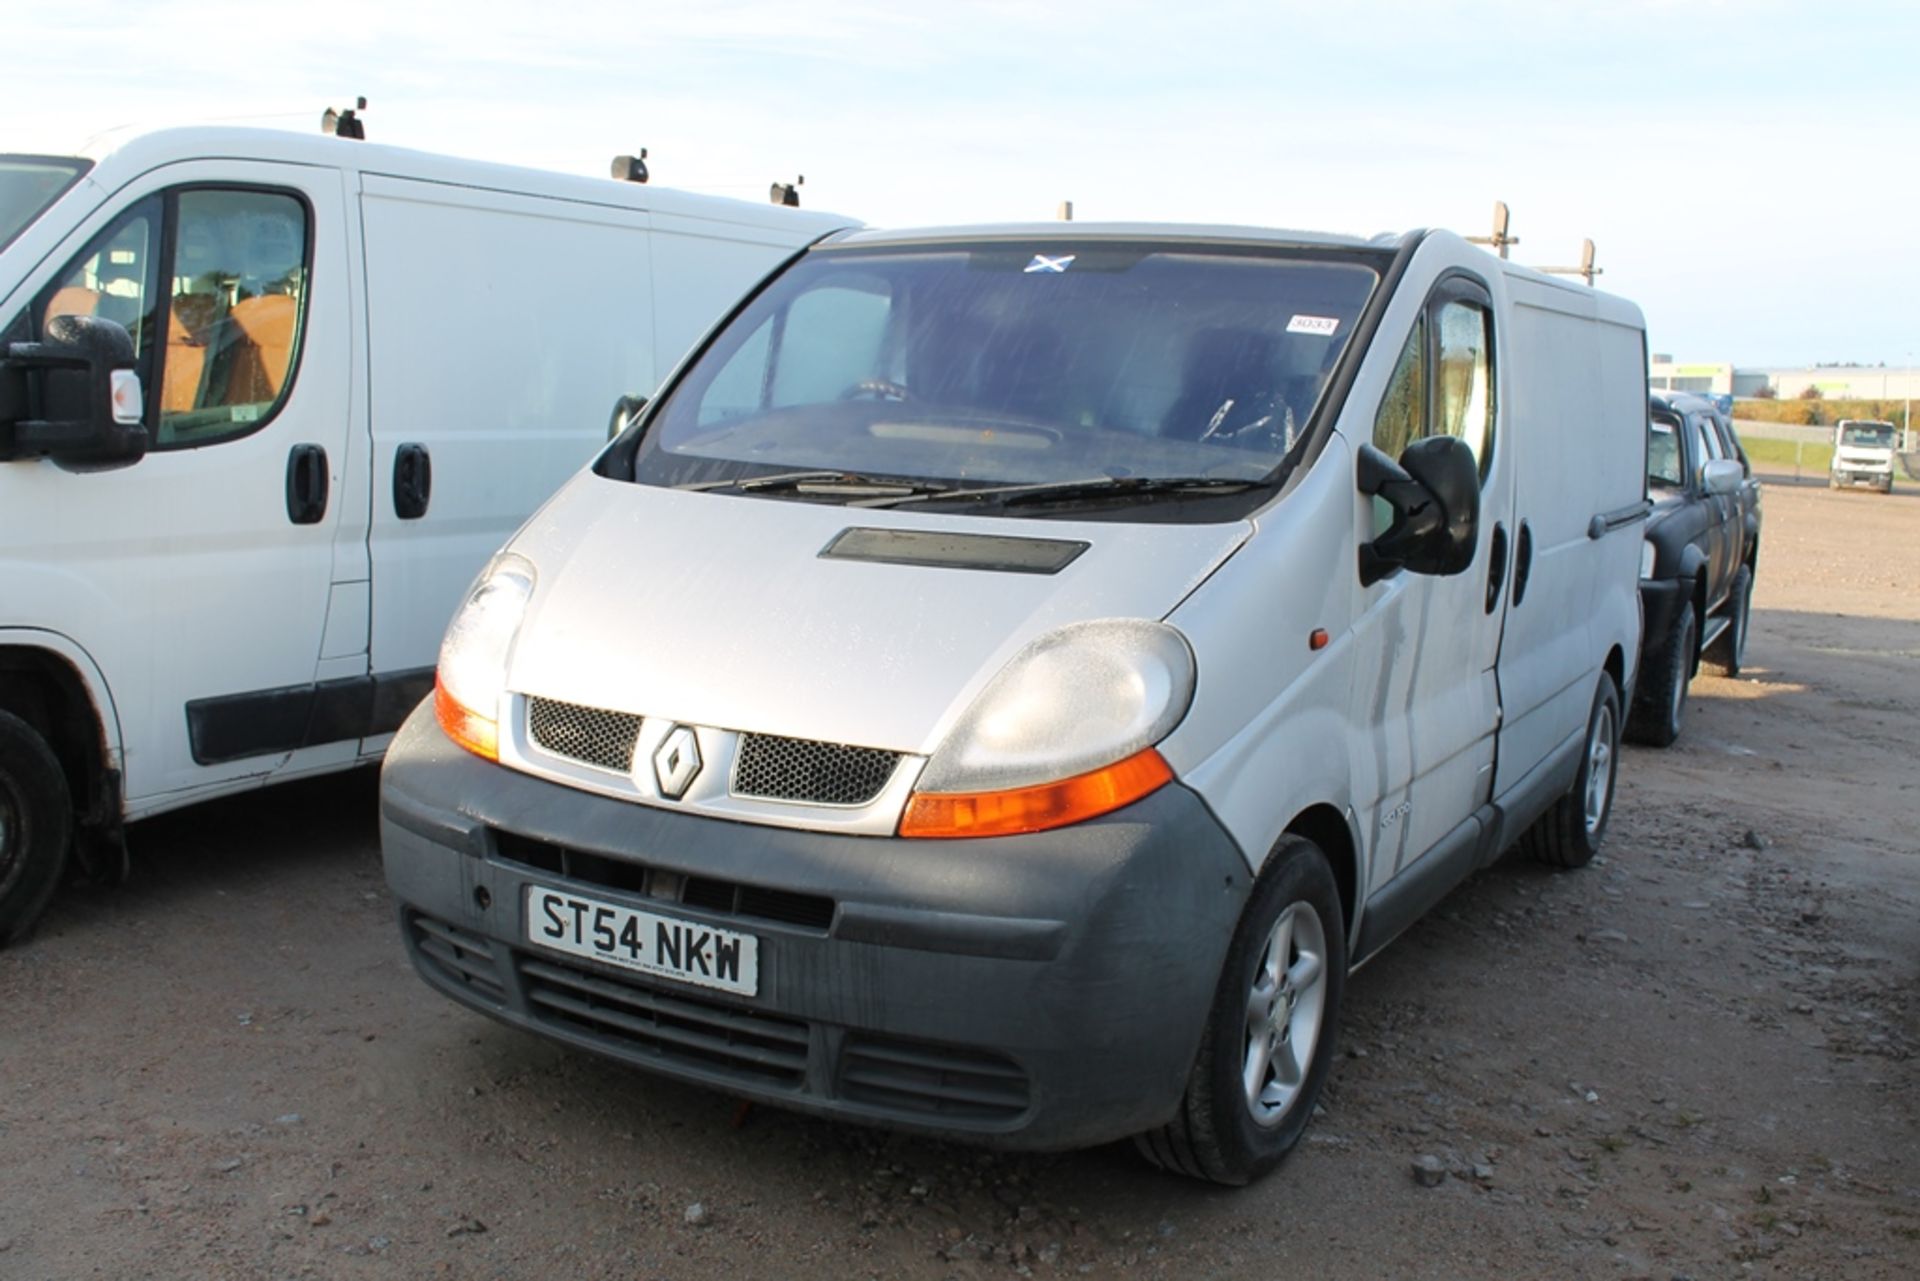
(1463, 395)
(1702, 450)
(236, 291)
(1403, 410)
(216, 327)
(114, 278)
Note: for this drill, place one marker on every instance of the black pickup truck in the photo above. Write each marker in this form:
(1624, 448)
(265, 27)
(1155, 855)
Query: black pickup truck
(1696, 570)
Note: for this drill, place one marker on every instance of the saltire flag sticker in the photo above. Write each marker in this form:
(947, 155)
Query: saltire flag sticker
(1042, 263)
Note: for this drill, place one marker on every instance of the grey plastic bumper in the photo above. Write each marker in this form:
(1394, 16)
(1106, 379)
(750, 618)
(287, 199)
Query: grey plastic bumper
(1037, 991)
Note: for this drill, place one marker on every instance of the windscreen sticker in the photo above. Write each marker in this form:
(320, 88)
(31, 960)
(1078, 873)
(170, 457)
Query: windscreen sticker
(1042, 263)
(1322, 325)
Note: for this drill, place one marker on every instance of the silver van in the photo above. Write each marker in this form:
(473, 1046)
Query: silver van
(1007, 679)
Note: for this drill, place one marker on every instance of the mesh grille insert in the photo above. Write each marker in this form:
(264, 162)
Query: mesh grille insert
(586, 734)
(800, 769)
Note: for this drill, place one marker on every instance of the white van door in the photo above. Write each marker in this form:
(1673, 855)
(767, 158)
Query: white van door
(1425, 684)
(501, 328)
(199, 578)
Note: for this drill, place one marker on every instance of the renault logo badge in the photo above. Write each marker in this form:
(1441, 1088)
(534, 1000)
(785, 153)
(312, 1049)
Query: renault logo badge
(676, 763)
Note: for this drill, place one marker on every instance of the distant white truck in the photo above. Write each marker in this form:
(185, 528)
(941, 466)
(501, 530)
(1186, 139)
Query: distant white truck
(1862, 454)
(362, 368)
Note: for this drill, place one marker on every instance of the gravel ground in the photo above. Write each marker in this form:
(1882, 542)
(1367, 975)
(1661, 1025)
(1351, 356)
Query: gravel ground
(1693, 1059)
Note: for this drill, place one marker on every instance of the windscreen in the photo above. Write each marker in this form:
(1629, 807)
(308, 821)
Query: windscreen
(1868, 435)
(1005, 364)
(28, 184)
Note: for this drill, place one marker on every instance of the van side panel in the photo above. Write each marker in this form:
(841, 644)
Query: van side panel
(1578, 419)
(500, 330)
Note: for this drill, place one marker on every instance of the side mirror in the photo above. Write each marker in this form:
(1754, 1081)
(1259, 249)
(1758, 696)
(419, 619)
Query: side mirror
(73, 398)
(1434, 491)
(1722, 476)
(625, 410)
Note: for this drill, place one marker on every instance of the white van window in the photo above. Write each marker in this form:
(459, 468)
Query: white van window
(1042, 364)
(234, 295)
(112, 278)
(1464, 400)
(1403, 410)
(236, 286)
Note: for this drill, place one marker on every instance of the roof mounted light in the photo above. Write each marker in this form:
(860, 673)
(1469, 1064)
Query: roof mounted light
(630, 168)
(345, 124)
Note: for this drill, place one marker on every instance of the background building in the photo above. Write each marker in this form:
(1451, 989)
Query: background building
(1866, 382)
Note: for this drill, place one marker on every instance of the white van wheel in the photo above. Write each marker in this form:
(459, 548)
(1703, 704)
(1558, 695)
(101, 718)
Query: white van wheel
(1268, 1042)
(36, 823)
(1570, 832)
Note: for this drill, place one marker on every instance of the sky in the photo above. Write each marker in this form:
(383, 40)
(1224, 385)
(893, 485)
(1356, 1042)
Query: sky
(1747, 169)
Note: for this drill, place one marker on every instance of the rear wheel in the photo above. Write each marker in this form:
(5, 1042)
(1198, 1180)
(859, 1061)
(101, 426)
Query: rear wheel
(1660, 703)
(1570, 832)
(36, 823)
(1730, 647)
(1268, 1042)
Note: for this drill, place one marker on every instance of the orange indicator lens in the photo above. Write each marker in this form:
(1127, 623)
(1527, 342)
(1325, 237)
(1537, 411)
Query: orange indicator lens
(465, 726)
(1038, 808)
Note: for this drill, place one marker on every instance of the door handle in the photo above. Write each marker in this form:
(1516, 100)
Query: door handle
(1522, 562)
(1496, 566)
(412, 481)
(306, 484)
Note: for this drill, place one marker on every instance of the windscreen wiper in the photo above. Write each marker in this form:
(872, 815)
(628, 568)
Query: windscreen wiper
(849, 484)
(1086, 489)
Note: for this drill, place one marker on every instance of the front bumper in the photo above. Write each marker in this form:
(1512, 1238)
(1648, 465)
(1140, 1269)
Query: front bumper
(1040, 991)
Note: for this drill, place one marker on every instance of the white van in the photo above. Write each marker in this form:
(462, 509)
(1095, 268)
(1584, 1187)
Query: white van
(363, 367)
(1862, 454)
(1010, 677)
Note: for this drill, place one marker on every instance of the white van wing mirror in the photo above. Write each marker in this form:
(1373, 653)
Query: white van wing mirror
(1434, 491)
(625, 410)
(73, 398)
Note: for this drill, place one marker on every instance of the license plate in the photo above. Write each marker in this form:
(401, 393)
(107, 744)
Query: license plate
(633, 940)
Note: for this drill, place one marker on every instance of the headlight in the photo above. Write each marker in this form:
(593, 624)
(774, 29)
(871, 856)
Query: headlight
(1646, 558)
(472, 676)
(1065, 732)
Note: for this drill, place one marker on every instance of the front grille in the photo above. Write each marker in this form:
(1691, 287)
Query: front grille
(459, 956)
(589, 735)
(675, 1028)
(799, 769)
(711, 893)
(924, 1079)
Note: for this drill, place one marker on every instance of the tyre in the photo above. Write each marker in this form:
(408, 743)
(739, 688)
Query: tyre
(1660, 704)
(1886, 486)
(1268, 1043)
(36, 823)
(1570, 832)
(1729, 648)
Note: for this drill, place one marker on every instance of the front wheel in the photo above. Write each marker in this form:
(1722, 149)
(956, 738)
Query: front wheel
(1569, 833)
(36, 823)
(1268, 1042)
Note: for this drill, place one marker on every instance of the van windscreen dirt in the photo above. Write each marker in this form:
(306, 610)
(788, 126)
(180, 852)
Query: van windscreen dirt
(1004, 374)
(28, 184)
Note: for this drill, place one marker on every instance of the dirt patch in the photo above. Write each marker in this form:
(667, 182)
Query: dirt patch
(1695, 1058)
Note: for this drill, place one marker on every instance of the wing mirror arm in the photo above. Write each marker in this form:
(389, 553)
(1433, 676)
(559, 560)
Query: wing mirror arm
(1434, 492)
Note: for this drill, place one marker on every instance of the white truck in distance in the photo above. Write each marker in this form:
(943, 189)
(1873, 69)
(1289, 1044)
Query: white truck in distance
(1862, 454)
(362, 367)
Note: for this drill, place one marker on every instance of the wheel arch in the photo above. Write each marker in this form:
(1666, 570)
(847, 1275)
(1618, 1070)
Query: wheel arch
(55, 687)
(1328, 828)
